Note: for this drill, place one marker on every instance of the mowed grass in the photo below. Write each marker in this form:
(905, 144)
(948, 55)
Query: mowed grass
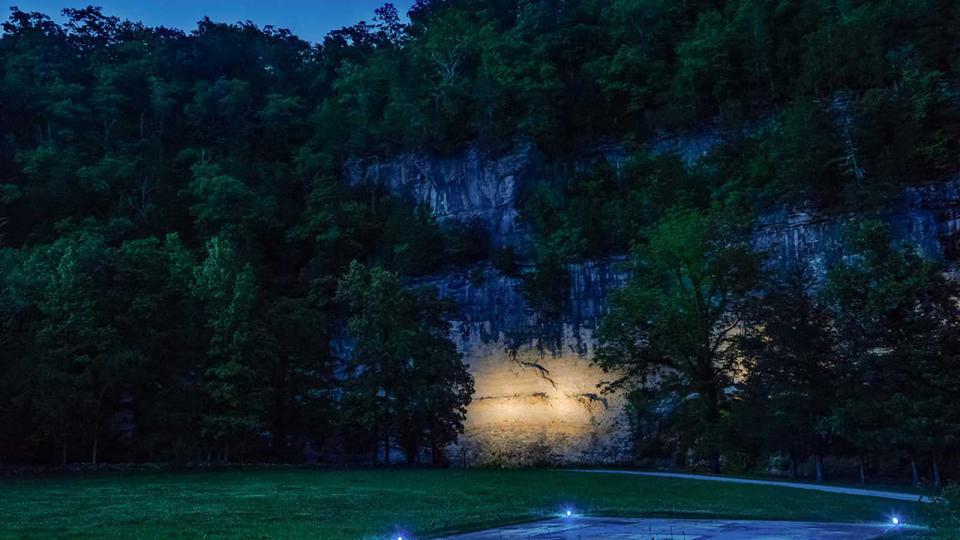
(344, 504)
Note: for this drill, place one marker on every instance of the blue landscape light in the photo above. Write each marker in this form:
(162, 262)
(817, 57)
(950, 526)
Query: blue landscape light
(895, 520)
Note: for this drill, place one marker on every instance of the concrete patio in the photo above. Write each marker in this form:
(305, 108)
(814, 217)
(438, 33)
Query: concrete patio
(584, 528)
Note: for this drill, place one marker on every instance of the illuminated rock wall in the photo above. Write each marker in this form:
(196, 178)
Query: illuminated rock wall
(524, 416)
(536, 397)
(536, 392)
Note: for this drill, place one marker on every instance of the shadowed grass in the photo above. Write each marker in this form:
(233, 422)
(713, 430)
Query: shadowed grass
(342, 504)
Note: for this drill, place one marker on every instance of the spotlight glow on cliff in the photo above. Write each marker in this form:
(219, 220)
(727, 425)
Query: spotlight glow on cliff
(522, 413)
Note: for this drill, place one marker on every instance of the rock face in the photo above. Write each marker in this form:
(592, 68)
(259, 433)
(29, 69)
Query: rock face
(926, 217)
(536, 397)
(465, 186)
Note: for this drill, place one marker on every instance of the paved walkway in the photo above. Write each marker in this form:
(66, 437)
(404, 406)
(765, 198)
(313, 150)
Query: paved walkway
(586, 528)
(799, 485)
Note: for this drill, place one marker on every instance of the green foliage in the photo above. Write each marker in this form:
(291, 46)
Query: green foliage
(225, 288)
(174, 223)
(405, 379)
(675, 320)
(601, 210)
(159, 315)
(790, 383)
(224, 203)
(598, 212)
(800, 159)
(466, 242)
(75, 354)
(946, 517)
(897, 315)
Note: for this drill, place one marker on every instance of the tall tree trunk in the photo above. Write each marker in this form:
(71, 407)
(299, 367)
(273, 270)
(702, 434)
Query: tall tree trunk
(437, 456)
(793, 467)
(914, 474)
(96, 423)
(410, 448)
(820, 473)
(279, 441)
(863, 476)
(713, 418)
(386, 446)
(936, 471)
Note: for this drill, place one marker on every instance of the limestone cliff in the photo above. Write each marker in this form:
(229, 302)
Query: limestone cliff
(537, 398)
(926, 217)
(536, 393)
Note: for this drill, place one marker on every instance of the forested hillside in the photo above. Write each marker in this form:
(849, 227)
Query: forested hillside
(179, 250)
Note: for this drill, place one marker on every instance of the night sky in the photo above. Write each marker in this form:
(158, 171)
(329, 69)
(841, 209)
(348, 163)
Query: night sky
(309, 19)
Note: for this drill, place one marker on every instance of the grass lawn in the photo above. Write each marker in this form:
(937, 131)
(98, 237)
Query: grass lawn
(872, 486)
(343, 504)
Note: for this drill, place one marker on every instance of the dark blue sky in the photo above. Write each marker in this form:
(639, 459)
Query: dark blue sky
(309, 19)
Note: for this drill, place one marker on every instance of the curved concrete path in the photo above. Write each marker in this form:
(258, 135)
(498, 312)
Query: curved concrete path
(587, 528)
(798, 485)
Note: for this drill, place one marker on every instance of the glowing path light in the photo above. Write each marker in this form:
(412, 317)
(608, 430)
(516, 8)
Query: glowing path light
(895, 520)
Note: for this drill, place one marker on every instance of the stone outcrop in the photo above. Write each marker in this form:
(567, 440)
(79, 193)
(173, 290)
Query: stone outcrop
(537, 398)
(469, 185)
(536, 395)
(926, 217)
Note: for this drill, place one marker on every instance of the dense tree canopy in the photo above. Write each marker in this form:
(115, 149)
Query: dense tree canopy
(175, 225)
(181, 260)
(898, 319)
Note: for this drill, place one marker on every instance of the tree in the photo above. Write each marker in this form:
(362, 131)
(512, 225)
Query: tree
(800, 158)
(897, 316)
(225, 286)
(127, 149)
(159, 314)
(78, 360)
(706, 69)
(226, 203)
(789, 385)
(300, 385)
(676, 318)
(404, 379)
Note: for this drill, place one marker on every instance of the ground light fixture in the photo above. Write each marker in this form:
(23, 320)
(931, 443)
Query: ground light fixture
(895, 520)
